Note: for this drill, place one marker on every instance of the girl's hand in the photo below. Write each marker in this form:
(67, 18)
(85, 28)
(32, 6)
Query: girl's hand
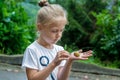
(61, 55)
(80, 55)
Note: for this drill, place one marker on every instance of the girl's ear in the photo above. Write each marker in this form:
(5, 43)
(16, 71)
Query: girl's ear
(39, 26)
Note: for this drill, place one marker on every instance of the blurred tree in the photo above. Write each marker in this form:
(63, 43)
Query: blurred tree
(15, 35)
(108, 22)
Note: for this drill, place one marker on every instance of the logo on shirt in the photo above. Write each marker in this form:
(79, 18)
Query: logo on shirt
(44, 61)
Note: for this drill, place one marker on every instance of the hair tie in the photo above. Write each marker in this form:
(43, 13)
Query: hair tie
(43, 3)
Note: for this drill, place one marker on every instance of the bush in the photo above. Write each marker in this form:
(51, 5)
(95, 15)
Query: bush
(15, 34)
(108, 46)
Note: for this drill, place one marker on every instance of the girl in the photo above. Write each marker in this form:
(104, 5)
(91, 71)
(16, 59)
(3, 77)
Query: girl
(43, 59)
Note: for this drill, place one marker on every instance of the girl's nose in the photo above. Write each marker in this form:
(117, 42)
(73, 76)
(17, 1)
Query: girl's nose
(59, 34)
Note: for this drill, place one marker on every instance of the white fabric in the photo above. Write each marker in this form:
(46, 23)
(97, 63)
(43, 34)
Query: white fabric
(35, 54)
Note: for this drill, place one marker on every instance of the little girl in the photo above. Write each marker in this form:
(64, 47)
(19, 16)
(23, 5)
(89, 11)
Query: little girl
(43, 59)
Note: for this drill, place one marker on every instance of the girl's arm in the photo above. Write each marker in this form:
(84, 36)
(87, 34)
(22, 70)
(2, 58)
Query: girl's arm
(63, 73)
(33, 74)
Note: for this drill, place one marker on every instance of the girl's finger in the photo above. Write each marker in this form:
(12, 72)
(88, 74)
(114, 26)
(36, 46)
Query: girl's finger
(80, 51)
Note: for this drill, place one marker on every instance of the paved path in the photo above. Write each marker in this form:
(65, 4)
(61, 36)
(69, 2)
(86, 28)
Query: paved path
(14, 75)
(10, 72)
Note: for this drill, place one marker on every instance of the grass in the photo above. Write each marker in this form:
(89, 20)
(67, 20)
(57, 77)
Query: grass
(95, 61)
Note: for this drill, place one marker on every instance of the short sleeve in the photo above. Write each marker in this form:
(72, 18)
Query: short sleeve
(29, 59)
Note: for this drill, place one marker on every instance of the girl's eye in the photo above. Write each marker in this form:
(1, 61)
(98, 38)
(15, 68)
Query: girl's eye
(62, 30)
(54, 31)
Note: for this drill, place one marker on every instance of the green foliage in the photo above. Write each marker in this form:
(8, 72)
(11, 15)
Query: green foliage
(109, 43)
(15, 35)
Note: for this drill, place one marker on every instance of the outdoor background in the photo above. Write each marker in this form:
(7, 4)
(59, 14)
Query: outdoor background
(93, 24)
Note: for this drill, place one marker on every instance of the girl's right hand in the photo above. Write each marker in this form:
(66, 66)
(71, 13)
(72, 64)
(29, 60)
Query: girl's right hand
(61, 55)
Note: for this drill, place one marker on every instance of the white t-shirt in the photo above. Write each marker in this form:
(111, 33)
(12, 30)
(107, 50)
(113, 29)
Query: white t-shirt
(38, 57)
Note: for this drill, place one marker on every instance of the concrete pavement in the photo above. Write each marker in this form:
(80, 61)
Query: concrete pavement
(14, 72)
(9, 75)
(80, 71)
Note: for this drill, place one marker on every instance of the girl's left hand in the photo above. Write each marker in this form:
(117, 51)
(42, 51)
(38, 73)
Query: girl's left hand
(82, 55)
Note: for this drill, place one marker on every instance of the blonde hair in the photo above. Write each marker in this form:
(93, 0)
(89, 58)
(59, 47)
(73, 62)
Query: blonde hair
(48, 13)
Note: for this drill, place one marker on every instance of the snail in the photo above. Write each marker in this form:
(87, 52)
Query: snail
(76, 54)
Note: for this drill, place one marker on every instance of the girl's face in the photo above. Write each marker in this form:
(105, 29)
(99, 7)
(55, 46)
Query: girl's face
(53, 32)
